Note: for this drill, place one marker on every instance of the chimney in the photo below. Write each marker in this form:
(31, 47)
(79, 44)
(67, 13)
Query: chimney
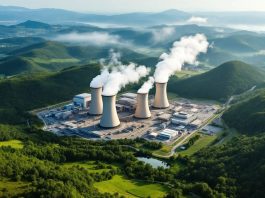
(96, 105)
(142, 107)
(161, 101)
(110, 117)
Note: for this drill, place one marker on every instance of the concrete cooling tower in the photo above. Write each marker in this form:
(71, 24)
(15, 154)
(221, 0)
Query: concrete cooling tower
(110, 117)
(96, 105)
(142, 107)
(161, 100)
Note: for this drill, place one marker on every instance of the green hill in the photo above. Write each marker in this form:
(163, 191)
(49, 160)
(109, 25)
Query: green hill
(54, 56)
(27, 92)
(219, 83)
(248, 116)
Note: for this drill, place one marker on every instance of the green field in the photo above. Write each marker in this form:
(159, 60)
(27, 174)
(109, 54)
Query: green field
(91, 166)
(17, 144)
(130, 189)
(204, 141)
(12, 189)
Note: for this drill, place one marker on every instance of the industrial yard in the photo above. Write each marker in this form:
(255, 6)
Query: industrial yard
(181, 118)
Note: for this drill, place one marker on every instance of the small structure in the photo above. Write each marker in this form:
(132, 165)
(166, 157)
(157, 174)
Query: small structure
(164, 117)
(82, 100)
(167, 134)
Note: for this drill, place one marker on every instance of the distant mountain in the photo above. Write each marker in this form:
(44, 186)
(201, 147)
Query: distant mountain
(248, 116)
(63, 16)
(219, 83)
(14, 43)
(32, 25)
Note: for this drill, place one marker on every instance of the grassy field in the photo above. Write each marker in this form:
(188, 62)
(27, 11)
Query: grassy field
(130, 189)
(187, 73)
(17, 144)
(204, 141)
(91, 166)
(12, 189)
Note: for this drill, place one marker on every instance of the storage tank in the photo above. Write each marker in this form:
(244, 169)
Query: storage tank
(142, 107)
(96, 105)
(161, 100)
(110, 117)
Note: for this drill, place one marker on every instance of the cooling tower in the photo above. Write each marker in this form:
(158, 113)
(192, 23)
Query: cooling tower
(161, 100)
(96, 105)
(142, 108)
(110, 117)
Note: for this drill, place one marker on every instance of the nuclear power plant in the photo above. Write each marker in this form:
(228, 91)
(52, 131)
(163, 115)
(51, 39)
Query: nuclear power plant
(161, 100)
(110, 117)
(142, 107)
(96, 105)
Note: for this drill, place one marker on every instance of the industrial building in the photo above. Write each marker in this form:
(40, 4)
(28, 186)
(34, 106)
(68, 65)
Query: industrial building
(182, 118)
(167, 134)
(82, 100)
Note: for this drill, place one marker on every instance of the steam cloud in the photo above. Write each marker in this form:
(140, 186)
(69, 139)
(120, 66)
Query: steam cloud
(95, 38)
(113, 60)
(122, 76)
(184, 51)
(115, 75)
(147, 86)
(197, 20)
(160, 35)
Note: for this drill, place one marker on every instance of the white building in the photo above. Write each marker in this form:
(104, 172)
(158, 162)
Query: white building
(82, 100)
(167, 134)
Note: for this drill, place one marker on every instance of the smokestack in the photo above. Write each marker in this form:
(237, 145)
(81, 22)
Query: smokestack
(161, 100)
(142, 107)
(110, 117)
(96, 105)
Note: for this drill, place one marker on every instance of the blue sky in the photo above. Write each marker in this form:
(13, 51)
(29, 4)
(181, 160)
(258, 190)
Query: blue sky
(142, 5)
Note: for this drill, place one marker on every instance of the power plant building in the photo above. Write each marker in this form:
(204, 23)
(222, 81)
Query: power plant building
(82, 100)
(167, 134)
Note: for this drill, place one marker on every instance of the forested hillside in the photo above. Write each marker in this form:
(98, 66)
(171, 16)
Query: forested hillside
(220, 83)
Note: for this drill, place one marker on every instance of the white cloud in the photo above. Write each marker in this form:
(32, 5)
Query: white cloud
(163, 34)
(95, 38)
(197, 20)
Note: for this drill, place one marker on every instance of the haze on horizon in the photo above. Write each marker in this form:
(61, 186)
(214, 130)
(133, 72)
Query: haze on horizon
(122, 6)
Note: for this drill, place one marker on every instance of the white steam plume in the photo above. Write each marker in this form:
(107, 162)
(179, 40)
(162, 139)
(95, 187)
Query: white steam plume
(122, 76)
(147, 86)
(197, 20)
(101, 79)
(184, 51)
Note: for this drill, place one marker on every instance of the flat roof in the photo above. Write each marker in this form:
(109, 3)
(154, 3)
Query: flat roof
(83, 95)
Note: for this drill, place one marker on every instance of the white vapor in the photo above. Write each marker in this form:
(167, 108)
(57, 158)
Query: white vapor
(113, 60)
(160, 35)
(95, 38)
(122, 76)
(184, 51)
(197, 20)
(147, 86)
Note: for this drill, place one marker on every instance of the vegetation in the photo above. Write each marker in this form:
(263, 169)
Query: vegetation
(16, 144)
(220, 83)
(248, 116)
(130, 188)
